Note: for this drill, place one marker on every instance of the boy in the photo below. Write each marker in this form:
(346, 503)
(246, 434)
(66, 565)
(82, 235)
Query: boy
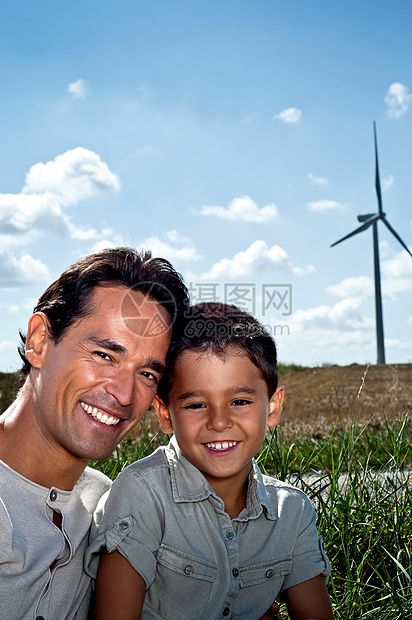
(195, 531)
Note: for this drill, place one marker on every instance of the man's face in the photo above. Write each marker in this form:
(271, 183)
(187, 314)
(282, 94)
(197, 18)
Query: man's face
(93, 387)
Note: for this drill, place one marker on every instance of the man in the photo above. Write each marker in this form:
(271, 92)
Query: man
(94, 352)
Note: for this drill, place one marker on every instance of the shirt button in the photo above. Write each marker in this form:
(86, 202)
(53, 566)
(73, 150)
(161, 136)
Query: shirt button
(122, 525)
(226, 611)
(269, 573)
(53, 497)
(235, 572)
(230, 535)
(188, 570)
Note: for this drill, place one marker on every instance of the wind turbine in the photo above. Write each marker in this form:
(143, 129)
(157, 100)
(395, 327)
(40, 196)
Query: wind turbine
(371, 219)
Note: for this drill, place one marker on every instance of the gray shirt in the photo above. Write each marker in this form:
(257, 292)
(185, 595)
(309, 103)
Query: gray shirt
(164, 517)
(30, 544)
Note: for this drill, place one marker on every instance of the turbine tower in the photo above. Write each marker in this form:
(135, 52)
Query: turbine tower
(371, 219)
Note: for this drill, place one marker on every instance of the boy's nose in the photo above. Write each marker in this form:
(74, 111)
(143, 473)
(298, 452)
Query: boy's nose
(219, 419)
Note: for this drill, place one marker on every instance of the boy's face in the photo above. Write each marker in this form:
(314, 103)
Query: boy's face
(218, 410)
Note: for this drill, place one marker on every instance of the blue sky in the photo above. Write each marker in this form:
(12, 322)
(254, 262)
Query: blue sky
(234, 138)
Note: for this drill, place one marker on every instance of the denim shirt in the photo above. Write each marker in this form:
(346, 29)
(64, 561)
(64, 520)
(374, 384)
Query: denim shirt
(197, 562)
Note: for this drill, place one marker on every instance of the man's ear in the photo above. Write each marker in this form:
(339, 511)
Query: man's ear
(163, 414)
(275, 406)
(37, 339)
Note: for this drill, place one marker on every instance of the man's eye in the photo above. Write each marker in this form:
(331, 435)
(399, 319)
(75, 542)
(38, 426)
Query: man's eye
(241, 402)
(102, 355)
(150, 376)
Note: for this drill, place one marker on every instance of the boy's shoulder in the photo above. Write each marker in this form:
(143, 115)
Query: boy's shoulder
(149, 463)
(278, 489)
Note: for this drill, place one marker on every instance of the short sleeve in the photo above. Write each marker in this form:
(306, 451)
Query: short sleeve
(309, 557)
(131, 523)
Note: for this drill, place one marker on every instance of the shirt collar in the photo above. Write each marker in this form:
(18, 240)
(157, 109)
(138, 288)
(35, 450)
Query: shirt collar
(190, 485)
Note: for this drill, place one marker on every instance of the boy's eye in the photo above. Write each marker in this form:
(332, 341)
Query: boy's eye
(194, 406)
(240, 401)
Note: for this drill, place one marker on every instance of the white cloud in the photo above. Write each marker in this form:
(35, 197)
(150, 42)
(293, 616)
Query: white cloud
(398, 267)
(6, 345)
(75, 175)
(396, 274)
(78, 89)
(290, 115)
(387, 183)
(398, 100)
(326, 206)
(177, 247)
(361, 287)
(257, 257)
(114, 241)
(317, 180)
(23, 271)
(241, 209)
(37, 210)
(343, 316)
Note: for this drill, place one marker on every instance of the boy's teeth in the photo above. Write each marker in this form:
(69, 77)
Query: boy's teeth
(221, 445)
(98, 415)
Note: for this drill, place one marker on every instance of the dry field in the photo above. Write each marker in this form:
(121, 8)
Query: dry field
(318, 399)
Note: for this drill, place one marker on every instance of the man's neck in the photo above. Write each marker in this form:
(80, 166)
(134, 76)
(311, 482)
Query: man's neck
(22, 449)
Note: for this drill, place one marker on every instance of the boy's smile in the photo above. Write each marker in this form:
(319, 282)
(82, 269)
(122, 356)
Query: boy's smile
(218, 409)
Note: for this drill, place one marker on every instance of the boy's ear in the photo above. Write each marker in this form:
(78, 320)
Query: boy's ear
(37, 339)
(275, 406)
(163, 414)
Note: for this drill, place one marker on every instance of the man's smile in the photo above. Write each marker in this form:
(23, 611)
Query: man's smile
(99, 415)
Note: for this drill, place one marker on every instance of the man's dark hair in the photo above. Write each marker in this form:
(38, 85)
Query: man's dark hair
(216, 327)
(68, 298)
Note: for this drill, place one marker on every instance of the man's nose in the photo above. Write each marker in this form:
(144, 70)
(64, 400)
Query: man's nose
(121, 386)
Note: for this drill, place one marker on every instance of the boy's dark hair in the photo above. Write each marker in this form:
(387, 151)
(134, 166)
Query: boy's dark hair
(215, 327)
(68, 298)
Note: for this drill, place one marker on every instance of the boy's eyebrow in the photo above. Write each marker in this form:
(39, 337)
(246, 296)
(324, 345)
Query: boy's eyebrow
(232, 390)
(244, 389)
(193, 394)
(115, 347)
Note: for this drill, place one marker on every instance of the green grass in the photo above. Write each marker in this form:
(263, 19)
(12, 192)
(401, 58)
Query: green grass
(366, 524)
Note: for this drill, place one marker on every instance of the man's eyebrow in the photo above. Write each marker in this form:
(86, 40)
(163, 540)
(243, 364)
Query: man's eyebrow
(107, 343)
(154, 364)
(115, 347)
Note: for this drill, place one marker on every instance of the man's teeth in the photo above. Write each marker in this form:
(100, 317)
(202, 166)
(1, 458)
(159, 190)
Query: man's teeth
(98, 415)
(221, 445)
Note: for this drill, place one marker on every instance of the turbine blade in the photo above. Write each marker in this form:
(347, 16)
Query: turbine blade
(395, 234)
(364, 226)
(377, 179)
